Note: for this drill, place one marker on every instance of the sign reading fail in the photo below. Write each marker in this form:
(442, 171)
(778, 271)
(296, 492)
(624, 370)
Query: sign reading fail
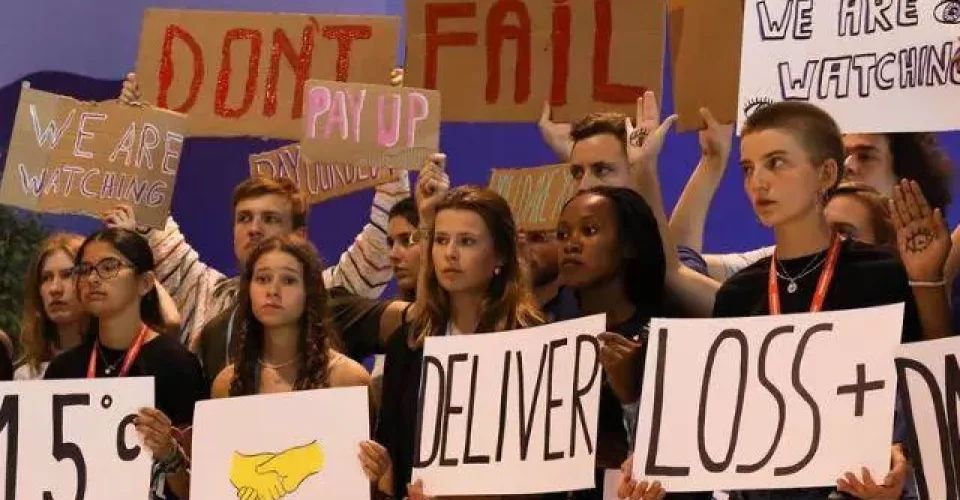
(500, 60)
(375, 126)
(319, 181)
(536, 195)
(521, 404)
(787, 401)
(68, 156)
(242, 74)
(74, 439)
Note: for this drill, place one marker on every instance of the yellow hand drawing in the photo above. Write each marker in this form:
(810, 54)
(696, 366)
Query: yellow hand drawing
(271, 476)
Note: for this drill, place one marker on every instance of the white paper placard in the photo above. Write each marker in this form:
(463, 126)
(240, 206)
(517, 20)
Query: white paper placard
(929, 380)
(875, 65)
(88, 424)
(304, 444)
(768, 402)
(510, 413)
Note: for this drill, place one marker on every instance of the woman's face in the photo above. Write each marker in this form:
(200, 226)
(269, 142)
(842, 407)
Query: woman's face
(58, 289)
(107, 281)
(404, 252)
(779, 178)
(464, 256)
(589, 242)
(850, 216)
(277, 291)
(869, 160)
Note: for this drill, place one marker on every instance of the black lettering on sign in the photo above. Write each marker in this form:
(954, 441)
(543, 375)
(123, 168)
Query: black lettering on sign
(67, 450)
(708, 462)
(946, 420)
(858, 17)
(777, 395)
(428, 362)
(797, 16)
(576, 413)
(526, 423)
(126, 453)
(10, 420)
(551, 404)
(449, 409)
(651, 468)
(467, 457)
(802, 391)
(503, 404)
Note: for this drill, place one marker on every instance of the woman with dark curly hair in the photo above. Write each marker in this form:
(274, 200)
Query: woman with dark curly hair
(286, 342)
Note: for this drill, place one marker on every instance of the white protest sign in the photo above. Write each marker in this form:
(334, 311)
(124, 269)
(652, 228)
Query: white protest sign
(302, 444)
(875, 65)
(74, 439)
(510, 413)
(784, 401)
(930, 384)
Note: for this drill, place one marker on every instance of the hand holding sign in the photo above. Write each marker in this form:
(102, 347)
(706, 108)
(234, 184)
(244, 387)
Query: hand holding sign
(130, 92)
(157, 432)
(630, 488)
(620, 358)
(377, 465)
(922, 237)
(432, 185)
(868, 489)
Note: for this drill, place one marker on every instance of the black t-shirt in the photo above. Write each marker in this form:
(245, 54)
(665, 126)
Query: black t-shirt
(6, 364)
(397, 423)
(178, 379)
(866, 276)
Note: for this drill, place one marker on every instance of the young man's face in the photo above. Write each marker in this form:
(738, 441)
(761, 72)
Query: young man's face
(599, 160)
(258, 219)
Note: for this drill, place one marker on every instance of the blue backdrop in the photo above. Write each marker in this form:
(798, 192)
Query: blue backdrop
(90, 63)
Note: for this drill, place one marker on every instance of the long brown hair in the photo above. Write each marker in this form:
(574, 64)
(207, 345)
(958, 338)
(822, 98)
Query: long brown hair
(316, 334)
(38, 334)
(509, 303)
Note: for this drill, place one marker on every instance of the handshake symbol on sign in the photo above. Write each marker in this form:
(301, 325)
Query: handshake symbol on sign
(271, 476)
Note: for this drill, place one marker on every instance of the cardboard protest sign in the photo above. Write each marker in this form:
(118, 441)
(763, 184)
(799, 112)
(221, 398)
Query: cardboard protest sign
(309, 450)
(374, 126)
(319, 181)
(768, 402)
(535, 195)
(74, 438)
(853, 58)
(242, 74)
(930, 387)
(500, 61)
(497, 415)
(68, 156)
(705, 47)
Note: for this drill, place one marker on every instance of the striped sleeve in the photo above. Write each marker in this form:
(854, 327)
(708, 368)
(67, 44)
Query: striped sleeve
(364, 268)
(189, 281)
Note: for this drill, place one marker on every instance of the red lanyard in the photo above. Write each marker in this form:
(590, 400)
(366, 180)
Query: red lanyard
(128, 359)
(826, 276)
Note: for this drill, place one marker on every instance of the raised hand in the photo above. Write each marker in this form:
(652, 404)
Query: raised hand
(868, 489)
(295, 465)
(432, 185)
(396, 77)
(415, 491)
(250, 483)
(556, 135)
(646, 135)
(922, 236)
(644, 490)
(717, 139)
(377, 465)
(130, 93)
(121, 216)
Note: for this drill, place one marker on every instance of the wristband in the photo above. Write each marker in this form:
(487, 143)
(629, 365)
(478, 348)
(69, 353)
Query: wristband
(928, 284)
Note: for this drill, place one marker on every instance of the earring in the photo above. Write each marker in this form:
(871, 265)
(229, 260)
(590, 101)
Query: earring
(496, 271)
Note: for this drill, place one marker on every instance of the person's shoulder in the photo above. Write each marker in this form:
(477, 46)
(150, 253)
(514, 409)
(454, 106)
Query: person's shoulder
(345, 372)
(755, 274)
(221, 384)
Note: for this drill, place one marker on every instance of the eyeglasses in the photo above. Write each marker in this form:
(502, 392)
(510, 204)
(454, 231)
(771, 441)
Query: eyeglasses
(405, 240)
(106, 269)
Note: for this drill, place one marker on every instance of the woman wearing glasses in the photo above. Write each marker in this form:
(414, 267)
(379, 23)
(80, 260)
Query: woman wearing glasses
(116, 285)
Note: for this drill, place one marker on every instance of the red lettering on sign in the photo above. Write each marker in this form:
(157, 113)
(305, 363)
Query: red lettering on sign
(434, 13)
(560, 44)
(345, 35)
(299, 61)
(253, 72)
(166, 68)
(497, 33)
(603, 90)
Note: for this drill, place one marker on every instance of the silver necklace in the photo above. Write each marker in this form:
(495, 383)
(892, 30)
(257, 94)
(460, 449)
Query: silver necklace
(110, 366)
(281, 365)
(792, 280)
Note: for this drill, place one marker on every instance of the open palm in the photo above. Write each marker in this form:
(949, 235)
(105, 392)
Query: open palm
(922, 237)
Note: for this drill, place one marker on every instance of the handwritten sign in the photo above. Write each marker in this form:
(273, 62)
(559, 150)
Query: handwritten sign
(307, 451)
(853, 57)
(768, 402)
(499, 60)
(74, 439)
(705, 46)
(242, 74)
(374, 126)
(319, 181)
(77, 157)
(930, 384)
(536, 195)
(521, 404)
